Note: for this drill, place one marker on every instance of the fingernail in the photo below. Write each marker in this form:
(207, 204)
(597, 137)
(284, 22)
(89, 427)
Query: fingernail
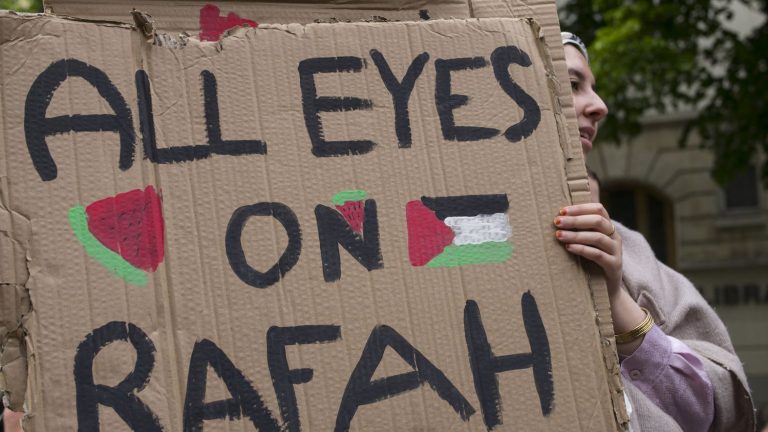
(558, 234)
(557, 221)
(563, 211)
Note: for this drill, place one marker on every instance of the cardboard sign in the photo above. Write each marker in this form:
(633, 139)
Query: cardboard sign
(321, 227)
(201, 16)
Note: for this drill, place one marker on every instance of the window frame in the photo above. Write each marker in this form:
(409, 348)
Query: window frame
(742, 217)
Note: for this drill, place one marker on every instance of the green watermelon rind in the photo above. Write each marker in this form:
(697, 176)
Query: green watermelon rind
(348, 195)
(93, 247)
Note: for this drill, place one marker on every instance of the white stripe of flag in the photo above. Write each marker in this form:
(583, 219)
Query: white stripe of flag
(479, 229)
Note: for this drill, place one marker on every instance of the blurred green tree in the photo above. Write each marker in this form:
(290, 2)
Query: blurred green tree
(664, 56)
(22, 5)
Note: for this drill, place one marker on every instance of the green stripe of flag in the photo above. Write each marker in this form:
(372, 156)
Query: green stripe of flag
(484, 253)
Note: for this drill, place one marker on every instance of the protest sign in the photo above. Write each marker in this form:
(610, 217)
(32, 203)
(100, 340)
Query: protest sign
(295, 227)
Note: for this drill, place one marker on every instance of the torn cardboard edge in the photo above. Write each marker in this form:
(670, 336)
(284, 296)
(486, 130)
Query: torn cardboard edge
(578, 188)
(15, 304)
(33, 15)
(577, 184)
(14, 351)
(167, 19)
(13, 380)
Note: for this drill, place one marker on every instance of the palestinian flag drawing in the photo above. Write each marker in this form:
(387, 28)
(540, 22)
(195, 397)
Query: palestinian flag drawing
(458, 230)
(124, 233)
(351, 205)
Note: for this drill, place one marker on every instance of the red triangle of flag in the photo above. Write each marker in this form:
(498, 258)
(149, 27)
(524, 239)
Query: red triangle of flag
(427, 235)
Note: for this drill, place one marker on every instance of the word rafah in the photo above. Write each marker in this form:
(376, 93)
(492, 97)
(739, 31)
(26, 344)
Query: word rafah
(37, 126)
(361, 389)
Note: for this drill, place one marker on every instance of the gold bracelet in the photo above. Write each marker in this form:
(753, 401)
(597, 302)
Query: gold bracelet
(639, 331)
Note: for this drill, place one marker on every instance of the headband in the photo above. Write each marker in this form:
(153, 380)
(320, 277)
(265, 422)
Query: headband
(571, 39)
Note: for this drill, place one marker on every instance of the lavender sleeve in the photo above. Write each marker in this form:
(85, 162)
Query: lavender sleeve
(666, 371)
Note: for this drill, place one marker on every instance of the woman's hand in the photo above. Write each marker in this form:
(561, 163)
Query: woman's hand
(587, 231)
(12, 421)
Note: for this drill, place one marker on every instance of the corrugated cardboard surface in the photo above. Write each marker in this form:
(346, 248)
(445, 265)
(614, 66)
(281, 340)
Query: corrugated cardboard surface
(195, 295)
(184, 16)
(173, 17)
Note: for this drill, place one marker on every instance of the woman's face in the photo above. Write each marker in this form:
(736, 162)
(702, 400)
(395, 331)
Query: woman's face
(590, 109)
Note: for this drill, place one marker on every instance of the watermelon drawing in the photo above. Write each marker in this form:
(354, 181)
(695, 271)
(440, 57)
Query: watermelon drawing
(124, 233)
(351, 205)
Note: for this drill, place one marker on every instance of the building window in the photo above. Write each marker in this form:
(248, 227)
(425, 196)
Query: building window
(742, 192)
(646, 210)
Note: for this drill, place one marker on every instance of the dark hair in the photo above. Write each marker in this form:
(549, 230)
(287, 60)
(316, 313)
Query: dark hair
(762, 416)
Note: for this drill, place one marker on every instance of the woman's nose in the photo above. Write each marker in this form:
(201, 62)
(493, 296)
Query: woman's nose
(596, 109)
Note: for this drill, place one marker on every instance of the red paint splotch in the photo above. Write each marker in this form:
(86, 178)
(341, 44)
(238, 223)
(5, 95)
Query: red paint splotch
(131, 225)
(427, 235)
(212, 24)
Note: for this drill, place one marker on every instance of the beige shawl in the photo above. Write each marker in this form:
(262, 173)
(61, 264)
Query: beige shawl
(680, 311)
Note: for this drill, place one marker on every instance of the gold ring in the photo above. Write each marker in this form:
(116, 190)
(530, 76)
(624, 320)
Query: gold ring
(613, 230)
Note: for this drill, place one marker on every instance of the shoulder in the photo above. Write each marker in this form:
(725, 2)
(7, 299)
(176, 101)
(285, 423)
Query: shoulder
(631, 237)
(636, 251)
(669, 295)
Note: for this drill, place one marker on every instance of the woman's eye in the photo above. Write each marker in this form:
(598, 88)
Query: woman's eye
(574, 86)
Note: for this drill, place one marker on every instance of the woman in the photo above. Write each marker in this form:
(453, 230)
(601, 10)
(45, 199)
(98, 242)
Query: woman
(678, 365)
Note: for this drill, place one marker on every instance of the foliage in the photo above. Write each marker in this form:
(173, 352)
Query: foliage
(22, 5)
(653, 56)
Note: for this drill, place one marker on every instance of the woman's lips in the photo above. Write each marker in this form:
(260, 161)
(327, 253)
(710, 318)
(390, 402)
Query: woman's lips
(586, 134)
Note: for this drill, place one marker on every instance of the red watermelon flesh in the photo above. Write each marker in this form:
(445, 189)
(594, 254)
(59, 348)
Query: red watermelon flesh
(353, 212)
(131, 225)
